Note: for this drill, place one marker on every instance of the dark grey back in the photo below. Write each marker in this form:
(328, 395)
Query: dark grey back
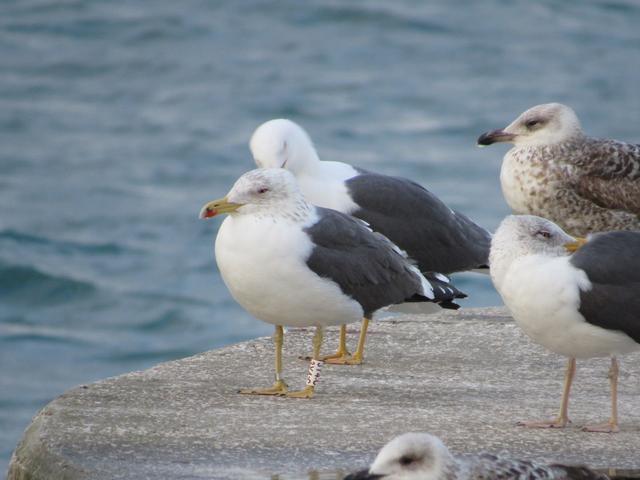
(365, 264)
(419, 223)
(611, 260)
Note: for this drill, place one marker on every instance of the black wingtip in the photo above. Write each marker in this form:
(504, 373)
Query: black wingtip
(449, 305)
(581, 473)
(362, 475)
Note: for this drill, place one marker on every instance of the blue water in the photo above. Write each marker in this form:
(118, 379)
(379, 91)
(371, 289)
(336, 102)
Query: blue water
(118, 120)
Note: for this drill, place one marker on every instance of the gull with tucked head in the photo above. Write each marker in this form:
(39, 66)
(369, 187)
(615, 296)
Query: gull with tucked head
(411, 456)
(576, 297)
(288, 262)
(437, 238)
(556, 171)
(422, 456)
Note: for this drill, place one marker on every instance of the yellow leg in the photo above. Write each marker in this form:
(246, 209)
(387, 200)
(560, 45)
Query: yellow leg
(279, 387)
(612, 425)
(356, 358)
(342, 351)
(307, 392)
(563, 418)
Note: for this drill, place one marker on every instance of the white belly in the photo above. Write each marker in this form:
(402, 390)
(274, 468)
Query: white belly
(266, 273)
(543, 298)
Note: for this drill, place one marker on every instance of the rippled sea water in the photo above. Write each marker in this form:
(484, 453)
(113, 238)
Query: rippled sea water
(118, 120)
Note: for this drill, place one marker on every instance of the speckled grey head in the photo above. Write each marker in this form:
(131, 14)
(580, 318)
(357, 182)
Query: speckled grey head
(529, 234)
(546, 124)
(281, 143)
(264, 187)
(521, 235)
(411, 456)
(272, 191)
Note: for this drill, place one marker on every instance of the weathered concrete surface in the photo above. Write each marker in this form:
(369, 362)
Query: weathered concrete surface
(466, 376)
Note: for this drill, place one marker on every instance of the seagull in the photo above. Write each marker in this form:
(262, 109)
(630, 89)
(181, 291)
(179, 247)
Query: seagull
(555, 171)
(577, 297)
(422, 456)
(288, 262)
(436, 237)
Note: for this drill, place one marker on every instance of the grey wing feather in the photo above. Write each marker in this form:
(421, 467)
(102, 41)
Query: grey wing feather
(366, 265)
(432, 234)
(609, 175)
(493, 467)
(611, 261)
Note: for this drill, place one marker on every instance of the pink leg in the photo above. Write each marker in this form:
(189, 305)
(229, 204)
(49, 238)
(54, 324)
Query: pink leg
(612, 425)
(563, 418)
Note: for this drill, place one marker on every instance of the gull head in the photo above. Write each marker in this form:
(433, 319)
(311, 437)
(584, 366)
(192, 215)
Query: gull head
(259, 190)
(411, 456)
(532, 235)
(546, 124)
(281, 143)
(522, 235)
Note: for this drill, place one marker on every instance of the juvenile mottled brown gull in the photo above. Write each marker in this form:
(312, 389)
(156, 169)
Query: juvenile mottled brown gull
(288, 262)
(580, 305)
(421, 456)
(437, 238)
(555, 171)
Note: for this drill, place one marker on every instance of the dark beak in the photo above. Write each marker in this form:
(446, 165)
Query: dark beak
(495, 136)
(363, 475)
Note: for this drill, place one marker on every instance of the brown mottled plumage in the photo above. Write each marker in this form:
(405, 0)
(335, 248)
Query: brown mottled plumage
(609, 174)
(555, 171)
(421, 456)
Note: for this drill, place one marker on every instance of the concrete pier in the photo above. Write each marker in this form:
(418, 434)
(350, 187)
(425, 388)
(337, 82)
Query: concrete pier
(465, 376)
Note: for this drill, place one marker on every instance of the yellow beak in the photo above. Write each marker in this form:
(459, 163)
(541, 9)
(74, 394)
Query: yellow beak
(216, 207)
(575, 245)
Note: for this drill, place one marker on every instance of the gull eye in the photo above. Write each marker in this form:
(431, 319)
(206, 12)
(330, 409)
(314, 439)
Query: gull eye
(532, 123)
(406, 460)
(263, 190)
(543, 234)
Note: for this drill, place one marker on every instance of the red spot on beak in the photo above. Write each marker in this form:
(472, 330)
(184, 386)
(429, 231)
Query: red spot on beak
(210, 212)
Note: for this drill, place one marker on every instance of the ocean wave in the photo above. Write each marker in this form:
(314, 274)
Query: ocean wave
(171, 319)
(63, 246)
(385, 18)
(13, 332)
(174, 299)
(24, 284)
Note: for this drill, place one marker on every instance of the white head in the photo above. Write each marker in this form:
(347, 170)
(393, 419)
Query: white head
(259, 191)
(281, 143)
(521, 235)
(411, 456)
(546, 124)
